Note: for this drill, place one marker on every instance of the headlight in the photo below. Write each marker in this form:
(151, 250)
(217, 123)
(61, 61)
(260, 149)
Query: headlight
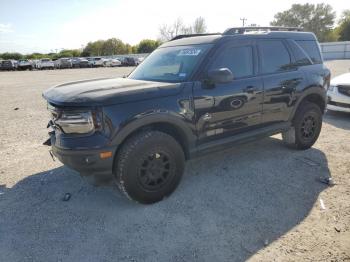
(75, 123)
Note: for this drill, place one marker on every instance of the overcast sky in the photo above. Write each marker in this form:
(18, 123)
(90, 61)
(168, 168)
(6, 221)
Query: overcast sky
(44, 26)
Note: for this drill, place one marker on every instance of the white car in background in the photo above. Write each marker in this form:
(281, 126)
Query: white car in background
(96, 61)
(45, 63)
(339, 94)
(112, 62)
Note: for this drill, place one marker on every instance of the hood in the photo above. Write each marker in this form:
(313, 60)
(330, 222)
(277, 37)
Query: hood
(343, 79)
(104, 91)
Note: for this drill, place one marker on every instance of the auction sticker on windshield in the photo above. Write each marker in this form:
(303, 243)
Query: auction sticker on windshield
(189, 52)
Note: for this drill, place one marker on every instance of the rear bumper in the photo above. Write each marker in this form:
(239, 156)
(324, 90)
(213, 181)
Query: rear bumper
(7, 68)
(24, 67)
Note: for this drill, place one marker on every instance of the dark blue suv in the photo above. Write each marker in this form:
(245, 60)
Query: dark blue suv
(193, 95)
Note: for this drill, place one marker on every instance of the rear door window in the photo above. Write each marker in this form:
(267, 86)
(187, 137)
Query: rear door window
(274, 56)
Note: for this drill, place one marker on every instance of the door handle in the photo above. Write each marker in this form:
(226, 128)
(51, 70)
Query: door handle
(250, 89)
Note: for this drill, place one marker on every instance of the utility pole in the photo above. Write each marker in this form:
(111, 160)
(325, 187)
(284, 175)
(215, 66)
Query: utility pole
(243, 19)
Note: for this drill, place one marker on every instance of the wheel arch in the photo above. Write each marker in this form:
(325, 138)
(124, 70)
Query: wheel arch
(313, 95)
(165, 123)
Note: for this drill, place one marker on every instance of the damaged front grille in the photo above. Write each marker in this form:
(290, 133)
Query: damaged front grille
(54, 111)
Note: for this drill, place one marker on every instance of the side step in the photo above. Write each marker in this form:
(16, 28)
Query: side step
(244, 137)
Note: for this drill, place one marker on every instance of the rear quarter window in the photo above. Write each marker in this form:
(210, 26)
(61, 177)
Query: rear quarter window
(312, 50)
(300, 56)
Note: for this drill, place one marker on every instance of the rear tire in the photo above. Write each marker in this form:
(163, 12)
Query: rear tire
(149, 166)
(306, 127)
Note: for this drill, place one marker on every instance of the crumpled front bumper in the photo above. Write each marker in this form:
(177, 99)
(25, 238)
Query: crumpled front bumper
(87, 162)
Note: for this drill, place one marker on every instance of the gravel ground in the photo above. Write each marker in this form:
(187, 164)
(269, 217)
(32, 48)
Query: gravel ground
(257, 202)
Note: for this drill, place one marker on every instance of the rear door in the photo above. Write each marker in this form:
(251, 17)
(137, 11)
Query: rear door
(226, 109)
(281, 79)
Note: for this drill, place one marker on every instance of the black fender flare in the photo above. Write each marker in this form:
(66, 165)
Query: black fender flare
(182, 125)
(312, 90)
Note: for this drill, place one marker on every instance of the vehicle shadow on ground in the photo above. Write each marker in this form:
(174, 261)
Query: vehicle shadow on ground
(337, 119)
(227, 207)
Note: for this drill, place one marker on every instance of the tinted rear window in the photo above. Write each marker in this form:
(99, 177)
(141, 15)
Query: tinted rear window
(312, 49)
(301, 58)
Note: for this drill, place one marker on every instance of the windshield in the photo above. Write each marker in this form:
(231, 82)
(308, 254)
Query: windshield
(170, 64)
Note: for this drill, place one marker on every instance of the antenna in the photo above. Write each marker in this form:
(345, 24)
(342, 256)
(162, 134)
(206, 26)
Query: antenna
(243, 19)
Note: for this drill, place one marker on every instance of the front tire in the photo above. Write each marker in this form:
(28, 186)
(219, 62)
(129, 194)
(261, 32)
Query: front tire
(306, 127)
(149, 166)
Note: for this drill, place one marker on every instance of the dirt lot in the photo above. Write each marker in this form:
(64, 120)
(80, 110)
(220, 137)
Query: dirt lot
(259, 201)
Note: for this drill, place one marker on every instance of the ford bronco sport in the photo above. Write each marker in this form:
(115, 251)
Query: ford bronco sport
(193, 95)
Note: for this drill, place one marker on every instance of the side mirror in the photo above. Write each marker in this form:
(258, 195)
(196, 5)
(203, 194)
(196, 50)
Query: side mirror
(220, 76)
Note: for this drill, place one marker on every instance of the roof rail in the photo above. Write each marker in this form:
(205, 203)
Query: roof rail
(242, 30)
(192, 35)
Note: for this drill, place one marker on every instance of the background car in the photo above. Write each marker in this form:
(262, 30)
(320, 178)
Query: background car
(339, 94)
(45, 63)
(90, 61)
(96, 61)
(8, 65)
(112, 62)
(78, 62)
(34, 63)
(130, 61)
(141, 59)
(25, 64)
(63, 63)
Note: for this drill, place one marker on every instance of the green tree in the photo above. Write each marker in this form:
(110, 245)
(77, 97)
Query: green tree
(332, 35)
(113, 46)
(15, 56)
(134, 49)
(35, 56)
(344, 26)
(318, 19)
(147, 46)
(128, 49)
(93, 48)
(67, 53)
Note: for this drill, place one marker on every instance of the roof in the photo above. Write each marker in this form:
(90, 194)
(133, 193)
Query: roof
(213, 38)
(193, 40)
